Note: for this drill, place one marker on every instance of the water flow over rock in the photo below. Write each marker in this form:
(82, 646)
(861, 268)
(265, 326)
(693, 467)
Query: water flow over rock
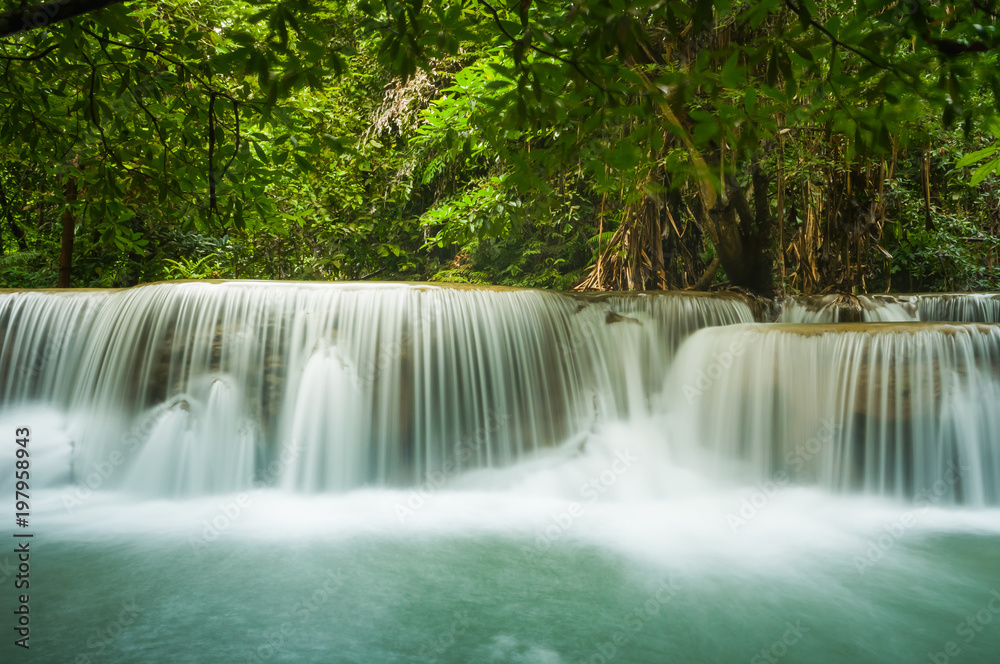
(928, 307)
(908, 410)
(190, 388)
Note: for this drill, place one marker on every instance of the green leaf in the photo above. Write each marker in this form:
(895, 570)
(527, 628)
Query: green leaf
(732, 73)
(260, 152)
(978, 155)
(304, 164)
(983, 171)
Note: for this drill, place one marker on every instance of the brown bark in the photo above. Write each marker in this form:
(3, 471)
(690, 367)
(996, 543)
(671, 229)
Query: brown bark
(741, 235)
(68, 233)
(928, 223)
(706, 279)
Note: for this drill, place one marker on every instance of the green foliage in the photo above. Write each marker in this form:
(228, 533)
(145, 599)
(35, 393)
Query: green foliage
(157, 116)
(186, 268)
(502, 143)
(26, 269)
(960, 248)
(988, 156)
(939, 259)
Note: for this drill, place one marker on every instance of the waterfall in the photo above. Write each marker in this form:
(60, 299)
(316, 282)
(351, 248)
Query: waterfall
(210, 387)
(928, 307)
(414, 472)
(900, 409)
(840, 309)
(195, 387)
(964, 307)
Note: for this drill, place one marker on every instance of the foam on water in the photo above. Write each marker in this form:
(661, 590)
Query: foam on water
(363, 383)
(617, 489)
(411, 474)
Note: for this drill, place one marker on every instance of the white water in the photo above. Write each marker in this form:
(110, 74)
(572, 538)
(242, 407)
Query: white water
(194, 388)
(966, 307)
(217, 454)
(930, 307)
(203, 387)
(894, 410)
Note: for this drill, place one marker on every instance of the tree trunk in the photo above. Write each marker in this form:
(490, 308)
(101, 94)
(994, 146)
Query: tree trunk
(742, 237)
(68, 233)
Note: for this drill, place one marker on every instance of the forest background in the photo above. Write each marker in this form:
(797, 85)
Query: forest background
(771, 146)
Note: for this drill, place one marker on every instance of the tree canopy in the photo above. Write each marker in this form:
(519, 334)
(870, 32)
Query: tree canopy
(769, 145)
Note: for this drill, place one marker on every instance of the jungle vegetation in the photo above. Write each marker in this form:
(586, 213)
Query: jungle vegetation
(773, 146)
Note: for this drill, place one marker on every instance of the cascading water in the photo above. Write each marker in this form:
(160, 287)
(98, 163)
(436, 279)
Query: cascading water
(201, 387)
(351, 384)
(961, 308)
(929, 307)
(257, 472)
(887, 409)
(837, 309)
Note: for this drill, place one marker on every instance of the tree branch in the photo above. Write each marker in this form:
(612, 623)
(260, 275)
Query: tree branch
(572, 63)
(709, 275)
(741, 205)
(236, 150)
(833, 40)
(37, 56)
(26, 19)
